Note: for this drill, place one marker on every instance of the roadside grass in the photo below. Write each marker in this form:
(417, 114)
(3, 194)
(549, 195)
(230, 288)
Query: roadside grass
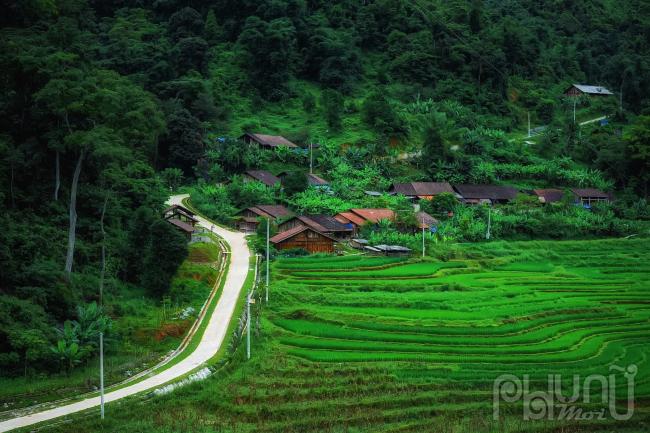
(418, 347)
(145, 331)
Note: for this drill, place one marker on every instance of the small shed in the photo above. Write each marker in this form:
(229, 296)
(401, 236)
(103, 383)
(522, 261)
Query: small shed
(267, 141)
(358, 244)
(586, 89)
(590, 196)
(393, 250)
(306, 238)
(264, 176)
(425, 221)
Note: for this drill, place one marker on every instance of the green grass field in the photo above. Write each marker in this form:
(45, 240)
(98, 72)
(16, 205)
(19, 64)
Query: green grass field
(370, 344)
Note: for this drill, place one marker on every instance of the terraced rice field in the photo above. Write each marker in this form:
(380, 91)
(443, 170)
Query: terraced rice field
(373, 344)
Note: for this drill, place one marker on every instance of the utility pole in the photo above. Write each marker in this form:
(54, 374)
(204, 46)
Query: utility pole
(248, 326)
(529, 124)
(575, 99)
(311, 158)
(422, 240)
(101, 374)
(487, 234)
(268, 256)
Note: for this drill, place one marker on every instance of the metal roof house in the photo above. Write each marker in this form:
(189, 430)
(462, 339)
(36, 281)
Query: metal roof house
(248, 219)
(550, 195)
(584, 89)
(322, 223)
(590, 196)
(268, 141)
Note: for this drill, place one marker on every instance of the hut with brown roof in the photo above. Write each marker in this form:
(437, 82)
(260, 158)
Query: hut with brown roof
(248, 219)
(306, 238)
(425, 221)
(590, 196)
(267, 141)
(355, 218)
(322, 223)
(488, 194)
(550, 195)
(421, 190)
(264, 176)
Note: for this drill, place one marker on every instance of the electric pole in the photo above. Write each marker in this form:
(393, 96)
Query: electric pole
(248, 326)
(101, 374)
(487, 234)
(529, 124)
(311, 158)
(575, 99)
(422, 240)
(268, 256)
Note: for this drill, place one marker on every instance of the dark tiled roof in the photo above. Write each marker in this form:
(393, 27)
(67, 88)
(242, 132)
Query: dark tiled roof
(270, 140)
(329, 224)
(182, 225)
(421, 188)
(589, 192)
(549, 195)
(491, 192)
(275, 210)
(295, 231)
(266, 177)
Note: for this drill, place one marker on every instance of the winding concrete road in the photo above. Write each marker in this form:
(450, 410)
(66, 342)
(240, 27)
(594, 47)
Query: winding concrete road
(210, 343)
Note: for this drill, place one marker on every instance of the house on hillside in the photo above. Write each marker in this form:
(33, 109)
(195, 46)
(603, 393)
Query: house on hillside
(306, 238)
(182, 219)
(266, 177)
(550, 195)
(425, 221)
(421, 190)
(584, 89)
(321, 223)
(486, 194)
(312, 180)
(182, 213)
(267, 141)
(355, 218)
(590, 196)
(248, 219)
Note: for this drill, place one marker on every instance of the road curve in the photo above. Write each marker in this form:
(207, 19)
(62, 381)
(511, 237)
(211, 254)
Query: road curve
(210, 343)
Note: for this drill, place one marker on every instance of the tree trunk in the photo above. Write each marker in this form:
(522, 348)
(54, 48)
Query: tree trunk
(57, 174)
(103, 271)
(73, 216)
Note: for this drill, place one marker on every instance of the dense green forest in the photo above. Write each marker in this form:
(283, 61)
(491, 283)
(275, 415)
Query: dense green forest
(106, 106)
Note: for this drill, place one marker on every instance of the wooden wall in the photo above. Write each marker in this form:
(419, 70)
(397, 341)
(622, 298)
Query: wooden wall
(310, 241)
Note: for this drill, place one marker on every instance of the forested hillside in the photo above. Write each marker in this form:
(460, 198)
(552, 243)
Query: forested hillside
(106, 106)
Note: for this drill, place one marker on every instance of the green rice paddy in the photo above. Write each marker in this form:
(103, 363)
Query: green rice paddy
(375, 344)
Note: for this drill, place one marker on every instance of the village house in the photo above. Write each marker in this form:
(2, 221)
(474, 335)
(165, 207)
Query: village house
(182, 219)
(321, 223)
(306, 238)
(312, 180)
(266, 177)
(583, 89)
(267, 141)
(425, 221)
(590, 196)
(248, 219)
(551, 195)
(421, 190)
(355, 218)
(486, 194)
